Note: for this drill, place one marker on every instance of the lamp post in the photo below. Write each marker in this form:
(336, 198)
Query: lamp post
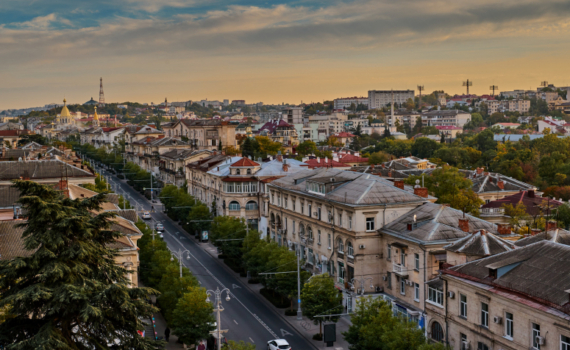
(219, 308)
(179, 256)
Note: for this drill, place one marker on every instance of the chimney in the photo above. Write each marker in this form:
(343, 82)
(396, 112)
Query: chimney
(530, 193)
(464, 225)
(285, 167)
(421, 191)
(63, 186)
(501, 184)
(503, 229)
(399, 184)
(480, 171)
(551, 225)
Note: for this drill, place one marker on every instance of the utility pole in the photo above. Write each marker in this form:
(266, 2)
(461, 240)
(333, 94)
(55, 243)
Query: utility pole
(468, 83)
(299, 312)
(218, 310)
(420, 89)
(494, 87)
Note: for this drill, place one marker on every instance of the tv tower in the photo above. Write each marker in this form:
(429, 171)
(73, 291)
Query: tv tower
(101, 94)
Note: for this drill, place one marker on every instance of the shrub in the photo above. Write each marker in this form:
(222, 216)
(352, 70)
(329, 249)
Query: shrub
(318, 337)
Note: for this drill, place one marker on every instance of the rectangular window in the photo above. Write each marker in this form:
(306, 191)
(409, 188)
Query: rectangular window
(369, 224)
(389, 279)
(485, 315)
(402, 286)
(302, 208)
(462, 305)
(329, 240)
(482, 346)
(340, 219)
(564, 342)
(310, 209)
(293, 226)
(285, 205)
(350, 222)
(319, 213)
(535, 334)
(417, 261)
(330, 216)
(509, 325)
(319, 237)
(435, 295)
(416, 292)
(340, 272)
(402, 257)
(464, 343)
(389, 252)
(293, 200)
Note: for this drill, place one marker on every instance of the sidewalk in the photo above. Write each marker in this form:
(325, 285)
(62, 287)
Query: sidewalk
(305, 327)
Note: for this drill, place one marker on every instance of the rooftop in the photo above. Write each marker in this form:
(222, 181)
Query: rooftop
(480, 243)
(40, 169)
(557, 235)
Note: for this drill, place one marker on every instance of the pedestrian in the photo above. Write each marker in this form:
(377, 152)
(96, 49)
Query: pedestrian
(152, 208)
(167, 334)
(201, 346)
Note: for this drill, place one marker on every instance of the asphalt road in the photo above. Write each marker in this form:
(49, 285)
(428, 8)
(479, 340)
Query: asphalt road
(245, 316)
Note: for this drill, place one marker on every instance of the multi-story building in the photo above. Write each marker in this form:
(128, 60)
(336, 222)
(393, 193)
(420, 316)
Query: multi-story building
(172, 164)
(203, 134)
(346, 102)
(98, 136)
(514, 300)
(519, 105)
(293, 115)
(282, 132)
(146, 152)
(445, 118)
(403, 117)
(239, 103)
(382, 98)
(332, 217)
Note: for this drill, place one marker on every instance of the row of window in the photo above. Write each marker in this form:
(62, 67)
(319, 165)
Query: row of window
(251, 205)
(403, 257)
(240, 187)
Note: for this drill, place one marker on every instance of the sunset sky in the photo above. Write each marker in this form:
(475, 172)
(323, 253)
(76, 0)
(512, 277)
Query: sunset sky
(274, 51)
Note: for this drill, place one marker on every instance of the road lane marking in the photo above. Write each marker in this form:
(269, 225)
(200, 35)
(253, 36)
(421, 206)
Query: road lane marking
(284, 333)
(251, 340)
(234, 286)
(233, 295)
(236, 322)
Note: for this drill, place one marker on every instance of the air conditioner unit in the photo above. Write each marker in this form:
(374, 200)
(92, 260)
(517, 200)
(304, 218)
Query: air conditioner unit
(361, 246)
(539, 340)
(497, 319)
(466, 346)
(384, 278)
(451, 295)
(410, 283)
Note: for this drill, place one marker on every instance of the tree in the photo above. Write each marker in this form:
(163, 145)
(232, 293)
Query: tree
(467, 201)
(231, 151)
(515, 213)
(430, 130)
(306, 147)
(424, 147)
(334, 142)
(443, 183)
(249, 147)
(68, 292)
(193, 317)
(320, 297)
(268, 147)
(563, 214)
(198, 213)
(378, 158)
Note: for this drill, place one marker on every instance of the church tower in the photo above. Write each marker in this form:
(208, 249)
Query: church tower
(101, 94)
(95, 118)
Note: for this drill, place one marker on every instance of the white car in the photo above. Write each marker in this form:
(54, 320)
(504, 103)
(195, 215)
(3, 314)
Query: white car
(278, 344)
(159, 227)
(146, 215)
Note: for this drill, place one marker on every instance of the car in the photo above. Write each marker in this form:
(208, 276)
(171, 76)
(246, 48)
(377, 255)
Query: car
(278, 344)
(159, 227)
(146, 215)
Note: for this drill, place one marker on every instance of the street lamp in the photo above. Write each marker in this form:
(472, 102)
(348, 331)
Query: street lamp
(179, 256)
(219, 308)
(362, 281)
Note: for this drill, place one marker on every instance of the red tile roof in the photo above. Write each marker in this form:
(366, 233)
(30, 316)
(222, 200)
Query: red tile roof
(324, 163)
(349, 158)
(344, 134)
(14, 132)
(532, 202)
(245, 162)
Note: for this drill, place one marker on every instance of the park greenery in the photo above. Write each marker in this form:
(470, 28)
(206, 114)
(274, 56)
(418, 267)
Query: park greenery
(65, 292)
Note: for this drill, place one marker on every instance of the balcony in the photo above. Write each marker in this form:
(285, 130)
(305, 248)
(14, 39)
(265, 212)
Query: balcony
(492, 211)
(400, 270)
(350, 259)
(340, 254)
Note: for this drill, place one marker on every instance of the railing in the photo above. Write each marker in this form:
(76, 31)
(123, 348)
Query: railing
(493, 211)
(399, 269)
(350, 259)
(340, 254)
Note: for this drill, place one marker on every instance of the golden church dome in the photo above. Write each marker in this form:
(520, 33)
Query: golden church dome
(64, 111)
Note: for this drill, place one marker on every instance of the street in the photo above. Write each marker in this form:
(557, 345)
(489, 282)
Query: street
(244, 316)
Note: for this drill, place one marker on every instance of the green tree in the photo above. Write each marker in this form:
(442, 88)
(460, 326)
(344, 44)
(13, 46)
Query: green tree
(467, 201)
(424, 147)
(249, 147)
(65, 293)
(320, 297)
(193, 317)
(199, 212)
(306, 147)
(443, 183)
(515, 213)
(268, 147)
(563, 214)
(378, 158)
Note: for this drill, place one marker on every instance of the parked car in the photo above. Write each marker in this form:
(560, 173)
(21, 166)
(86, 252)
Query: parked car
(278, 344)
(159, 227)
(146, 215)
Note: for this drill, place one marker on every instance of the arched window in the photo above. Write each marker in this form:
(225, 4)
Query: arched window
(272, 220)
(278, 221)
(436, 332)
(349, 249)
(301, 230)
(251, 205)
(234, 205)
(238, 172)
(340, 245)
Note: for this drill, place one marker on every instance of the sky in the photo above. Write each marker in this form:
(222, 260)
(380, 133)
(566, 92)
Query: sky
(274, 51)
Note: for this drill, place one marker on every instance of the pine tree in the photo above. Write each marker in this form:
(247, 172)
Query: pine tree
(69, 293)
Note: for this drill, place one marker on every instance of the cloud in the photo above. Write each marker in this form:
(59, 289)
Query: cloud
(41, 23)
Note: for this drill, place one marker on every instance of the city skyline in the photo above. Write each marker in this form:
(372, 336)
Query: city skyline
(274, 52)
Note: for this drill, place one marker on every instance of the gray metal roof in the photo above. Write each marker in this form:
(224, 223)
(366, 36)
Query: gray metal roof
(40, 169)
(480, 243)
(435, 223)
(175, 154)
(275, 168)
(353, 188)
(488, 182)
(540, 270)
(557, 235)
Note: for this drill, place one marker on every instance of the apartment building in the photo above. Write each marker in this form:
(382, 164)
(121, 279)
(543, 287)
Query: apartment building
(346, 102)
(98, 136)
(445, 118)
(203, 134)
(332, 218)
(282, 132)
(519, 105)
(403, 117)
(293, 115)
(412, 249)
(172, 164)
(382, 98)
(517, 299)
(146, 152)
